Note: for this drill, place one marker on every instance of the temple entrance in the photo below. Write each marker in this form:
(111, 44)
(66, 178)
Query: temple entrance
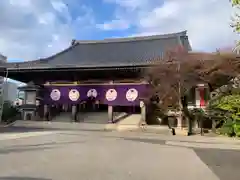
(55, 109)
(92, 111)
(128, 109)
(77, 112)
(60, 112)
(92, 105)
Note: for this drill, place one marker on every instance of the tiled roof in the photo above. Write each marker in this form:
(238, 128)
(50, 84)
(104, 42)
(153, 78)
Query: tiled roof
(131, 51)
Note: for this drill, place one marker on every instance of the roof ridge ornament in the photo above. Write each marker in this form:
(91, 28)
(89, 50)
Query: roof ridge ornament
(74, 42)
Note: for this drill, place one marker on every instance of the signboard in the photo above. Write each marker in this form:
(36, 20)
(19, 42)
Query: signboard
(111, 94)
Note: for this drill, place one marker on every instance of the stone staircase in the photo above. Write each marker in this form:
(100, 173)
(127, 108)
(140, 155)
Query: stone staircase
(95, 121)
(89, 117)
(93, 117)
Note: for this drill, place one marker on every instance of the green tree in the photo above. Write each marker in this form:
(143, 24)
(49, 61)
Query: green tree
(227, 107)
(235, 2)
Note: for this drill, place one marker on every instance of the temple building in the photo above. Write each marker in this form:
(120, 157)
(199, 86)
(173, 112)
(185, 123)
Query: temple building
(92, 75)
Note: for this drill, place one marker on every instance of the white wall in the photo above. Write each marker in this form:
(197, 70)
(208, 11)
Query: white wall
(2, 59)
(10, 91)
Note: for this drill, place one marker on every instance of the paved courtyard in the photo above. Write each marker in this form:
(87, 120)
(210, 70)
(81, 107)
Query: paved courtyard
(93, 155)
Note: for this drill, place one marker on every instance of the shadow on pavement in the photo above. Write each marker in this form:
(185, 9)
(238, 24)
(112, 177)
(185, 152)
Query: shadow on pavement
(47, 144)
(20, 150)
(35, 147)
(151, 141)
(21, 178)
(21, 129)
(224, 163)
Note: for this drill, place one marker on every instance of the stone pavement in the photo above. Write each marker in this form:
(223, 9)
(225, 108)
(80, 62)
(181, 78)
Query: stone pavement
(88, 154)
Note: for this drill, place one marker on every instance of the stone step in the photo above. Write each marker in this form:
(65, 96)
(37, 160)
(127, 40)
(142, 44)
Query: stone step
(51, 125)
(110, 127)
(130, 123)
(157, 129)
(63, 117)
(89, 117)
(133, 119)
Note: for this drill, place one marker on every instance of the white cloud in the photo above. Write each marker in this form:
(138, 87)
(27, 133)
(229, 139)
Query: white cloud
(132, 4)
(32, 29)
(119, 24)
(59, 6)
(25, 3)
(207, 21)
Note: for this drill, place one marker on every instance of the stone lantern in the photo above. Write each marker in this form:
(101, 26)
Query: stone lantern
(30, 99)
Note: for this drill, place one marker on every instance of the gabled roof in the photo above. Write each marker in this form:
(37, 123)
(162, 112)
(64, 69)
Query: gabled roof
(132, 51)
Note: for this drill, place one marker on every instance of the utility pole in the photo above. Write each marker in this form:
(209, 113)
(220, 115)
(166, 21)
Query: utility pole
(3, 93)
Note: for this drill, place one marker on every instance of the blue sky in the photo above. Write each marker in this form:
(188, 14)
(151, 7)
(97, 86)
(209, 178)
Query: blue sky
(32, 29)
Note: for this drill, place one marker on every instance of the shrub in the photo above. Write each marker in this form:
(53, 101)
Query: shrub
(227, 110)
(9, 112)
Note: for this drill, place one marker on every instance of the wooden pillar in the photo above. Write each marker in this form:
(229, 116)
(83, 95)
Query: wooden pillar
(65, 107)
(74, 113)
(80, 106)
(94, 105)
(45, 112)
(83, 106)
(97, 103)
(110, 114)
(143, 112)
(110, 110)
